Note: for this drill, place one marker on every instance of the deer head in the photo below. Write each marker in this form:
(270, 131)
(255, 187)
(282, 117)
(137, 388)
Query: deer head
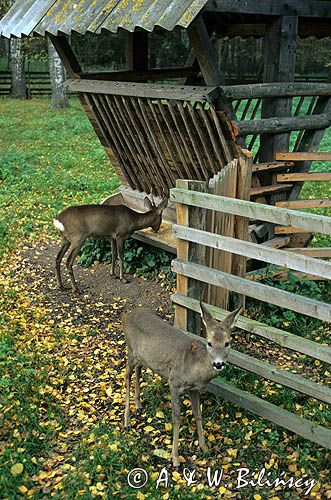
(157, 210)
(218, 334)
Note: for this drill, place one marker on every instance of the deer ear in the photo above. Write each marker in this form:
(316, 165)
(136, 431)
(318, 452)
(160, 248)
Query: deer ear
(229, 322)
(162, 205)
(148, 204)
(205, 315)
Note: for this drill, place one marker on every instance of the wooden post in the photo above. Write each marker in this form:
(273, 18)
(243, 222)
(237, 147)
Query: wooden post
(136, 51)
(279, 66)
(192, 217)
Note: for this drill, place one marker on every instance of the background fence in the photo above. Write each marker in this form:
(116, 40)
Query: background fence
(38, 83)
(190, 269)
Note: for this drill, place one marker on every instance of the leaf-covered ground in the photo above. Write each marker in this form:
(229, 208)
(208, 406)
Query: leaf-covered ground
(62, 357)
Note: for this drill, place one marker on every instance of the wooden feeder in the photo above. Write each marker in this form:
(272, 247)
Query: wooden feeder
(157, 133)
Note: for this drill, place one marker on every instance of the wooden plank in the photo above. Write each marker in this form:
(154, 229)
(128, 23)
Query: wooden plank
(292, 230)
(281, 275)
(312, 252)
(279, 89)
(265, 293)
(304, 176)
(190, 216)
(265, 190)
(151, 90)
(253, 210)
(301, 426)
(277, 242)
(276, 125)
(280, 337)
(271, 166)
(303, 156)
(217, 150)
(255, 251)
(140, 76)
(324, 202)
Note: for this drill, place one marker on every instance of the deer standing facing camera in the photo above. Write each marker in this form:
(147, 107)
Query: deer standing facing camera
(77, 223)
(188, 364)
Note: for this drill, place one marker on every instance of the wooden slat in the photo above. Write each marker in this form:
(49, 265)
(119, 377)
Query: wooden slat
(255, 251)
(274, 188)
(312, 252)
(253, 210)
(271, 166)
(309, 156)
(154, 91)
(324, 202)
(304, 176)
(280, 337)
(277, 242)
(305, 428)
(279, 89)
(265, 293)
(292, 230)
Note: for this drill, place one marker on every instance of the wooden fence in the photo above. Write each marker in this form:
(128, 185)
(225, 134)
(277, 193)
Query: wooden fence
(187, 298)
(38, 83)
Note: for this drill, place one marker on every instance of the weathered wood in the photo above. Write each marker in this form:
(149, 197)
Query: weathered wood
(312, 252)
(203, 138)
(278, 274)
(254, 211)
(140, 76)
(267, 190)
(324, 202)
(255, 251)
(313, 8)
(277, 125)
(307, 27)
(265, 293)
(150, 90)
(271, 166)
(66, 55)
(292, 230)
(193, 217)
(217, 150)
(279, 89)
(277, 242)
(280, 337)
(279, 416)
(136, 50)
(304, 176)
(303, 156)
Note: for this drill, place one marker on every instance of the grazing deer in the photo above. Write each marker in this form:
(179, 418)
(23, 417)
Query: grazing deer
(77, 223)
(187, 364)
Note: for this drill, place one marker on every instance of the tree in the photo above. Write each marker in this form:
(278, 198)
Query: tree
(59, 95)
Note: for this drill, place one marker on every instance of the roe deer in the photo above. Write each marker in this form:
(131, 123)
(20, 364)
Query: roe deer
(187, 363)
(77, 223)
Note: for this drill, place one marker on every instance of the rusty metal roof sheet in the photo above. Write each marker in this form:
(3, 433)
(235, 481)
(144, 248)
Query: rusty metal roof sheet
(28, 17)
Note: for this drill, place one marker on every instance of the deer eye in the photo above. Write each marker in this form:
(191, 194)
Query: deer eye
(209, 344)
(227, 343)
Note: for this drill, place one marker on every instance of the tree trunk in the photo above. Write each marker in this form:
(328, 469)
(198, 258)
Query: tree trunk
(18, 80)
(59, 97)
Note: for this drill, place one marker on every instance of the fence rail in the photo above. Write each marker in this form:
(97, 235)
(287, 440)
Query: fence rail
(38, 83)
(196, 271)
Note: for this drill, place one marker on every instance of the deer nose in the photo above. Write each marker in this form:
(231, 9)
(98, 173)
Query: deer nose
(218, 365)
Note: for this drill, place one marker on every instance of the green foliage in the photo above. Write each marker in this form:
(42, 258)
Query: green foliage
(140, 259)
(279, 317)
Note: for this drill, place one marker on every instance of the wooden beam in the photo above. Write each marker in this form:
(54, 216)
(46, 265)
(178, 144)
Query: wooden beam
(292, 230)
(280, 337)
(307, 27)
(271, 166)
(254, 211)
(275, 125)
(255, 251)
(140, 76)
(303, 156)
(305, 177)
(136, 50)
(321, 203)
(268, 190)
(304, 8)
(265, 293)
(312, 252)
(279, 89)
(66, 55)
(277, 242)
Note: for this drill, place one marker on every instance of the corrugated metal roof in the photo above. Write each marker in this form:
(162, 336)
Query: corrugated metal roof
(28, 17)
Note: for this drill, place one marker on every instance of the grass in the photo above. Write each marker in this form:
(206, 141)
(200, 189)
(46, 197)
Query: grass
(62, 433)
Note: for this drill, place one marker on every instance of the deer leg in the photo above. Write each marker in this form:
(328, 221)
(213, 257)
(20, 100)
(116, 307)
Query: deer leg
(137, 388)
(195, 402)
(113, 256)
(59, 257)
(120, 250)
(175, 405)
(76, 246)
(128, 375)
